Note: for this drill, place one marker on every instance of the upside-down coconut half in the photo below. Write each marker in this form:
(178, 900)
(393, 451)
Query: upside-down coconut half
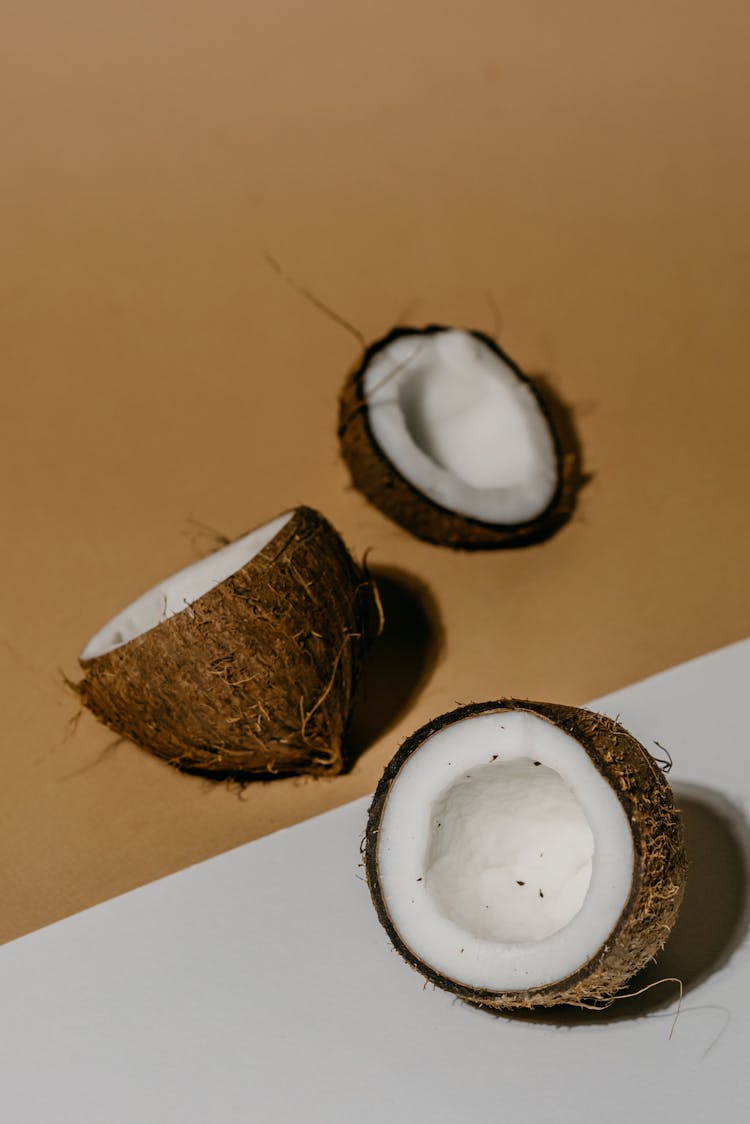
(445, 435)
(525, 854)
(245, 663)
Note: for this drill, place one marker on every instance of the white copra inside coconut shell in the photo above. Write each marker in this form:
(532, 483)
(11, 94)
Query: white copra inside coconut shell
(177, 592)
(505, 859)
(510, 852)
(459, 424)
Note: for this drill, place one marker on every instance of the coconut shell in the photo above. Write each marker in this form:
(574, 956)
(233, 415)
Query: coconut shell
(375, 475)
(256, 678)
(659, 870)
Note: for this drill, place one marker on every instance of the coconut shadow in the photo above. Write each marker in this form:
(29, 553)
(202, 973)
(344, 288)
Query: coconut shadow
(563, 419)
(713, 921)
(402, 659)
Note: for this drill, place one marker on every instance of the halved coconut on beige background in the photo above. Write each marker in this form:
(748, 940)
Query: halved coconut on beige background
(444, 434)
(244, 663)
(525, 854)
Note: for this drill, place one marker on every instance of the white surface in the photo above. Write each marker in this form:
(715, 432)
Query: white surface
(410, 818)
(175, 593)
(259, 986)
(461, 426)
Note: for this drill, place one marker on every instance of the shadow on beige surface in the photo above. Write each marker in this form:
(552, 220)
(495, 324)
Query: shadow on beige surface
(402, 660)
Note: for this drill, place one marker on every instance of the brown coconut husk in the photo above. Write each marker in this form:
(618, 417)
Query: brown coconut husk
(380, 481)
(257, 677)
(659, 869)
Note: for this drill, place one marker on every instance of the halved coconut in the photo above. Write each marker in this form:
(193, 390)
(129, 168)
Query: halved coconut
(523, 854)
(445, 435)
(244, 663)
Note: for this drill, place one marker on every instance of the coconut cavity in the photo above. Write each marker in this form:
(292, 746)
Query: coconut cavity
(525, 853)
(457, 422)
(510, 852)
(443, 432)
(244, 664)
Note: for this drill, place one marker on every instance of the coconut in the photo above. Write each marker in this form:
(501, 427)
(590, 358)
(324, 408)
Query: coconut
(444, 434)
(244, 663)
(524, 854)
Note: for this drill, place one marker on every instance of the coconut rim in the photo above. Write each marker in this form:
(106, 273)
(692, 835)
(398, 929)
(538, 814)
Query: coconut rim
(544, 711)
(293, 518)
(362, 406)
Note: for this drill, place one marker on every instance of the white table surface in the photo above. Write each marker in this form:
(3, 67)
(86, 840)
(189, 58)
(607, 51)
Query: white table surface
(259, 986)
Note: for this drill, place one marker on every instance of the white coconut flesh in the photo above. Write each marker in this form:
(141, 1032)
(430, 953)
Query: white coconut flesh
(459, 424)
(505, 859)
(176, 593)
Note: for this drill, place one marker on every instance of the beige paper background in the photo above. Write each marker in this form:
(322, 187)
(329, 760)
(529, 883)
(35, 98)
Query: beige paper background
(581, 168)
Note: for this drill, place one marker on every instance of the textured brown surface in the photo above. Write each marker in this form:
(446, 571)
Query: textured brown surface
(659, 862)
(584, 169)
(378, 478)
(255, 678)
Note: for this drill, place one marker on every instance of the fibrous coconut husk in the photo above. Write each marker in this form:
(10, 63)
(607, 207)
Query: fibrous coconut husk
(375, 475)
(257, 677)
(659, 870)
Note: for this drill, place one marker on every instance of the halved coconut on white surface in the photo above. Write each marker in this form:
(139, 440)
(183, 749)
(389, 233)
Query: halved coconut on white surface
(244, 663)
(525, 854)
(446, 435)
